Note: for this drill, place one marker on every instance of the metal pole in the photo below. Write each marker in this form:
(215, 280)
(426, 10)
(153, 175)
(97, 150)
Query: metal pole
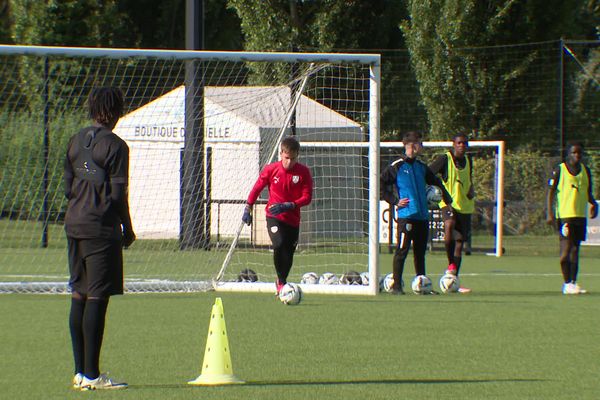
(46, 145)
(194, 232)
(293, 73)
(561, 98)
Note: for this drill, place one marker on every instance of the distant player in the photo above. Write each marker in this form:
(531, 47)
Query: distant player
(456, 170)
(290, 188)
(403, 185)
(98, 226)
(571, 186)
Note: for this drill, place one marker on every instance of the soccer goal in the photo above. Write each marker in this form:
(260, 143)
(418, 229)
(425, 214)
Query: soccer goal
(488, 179)
(200, 125)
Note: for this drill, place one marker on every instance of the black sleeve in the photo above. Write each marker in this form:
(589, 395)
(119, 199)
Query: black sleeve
(432, 179)
(440, 165)
(388, 185)
(117, 167)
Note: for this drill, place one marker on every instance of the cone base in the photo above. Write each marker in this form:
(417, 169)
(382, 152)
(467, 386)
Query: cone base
(215, 380)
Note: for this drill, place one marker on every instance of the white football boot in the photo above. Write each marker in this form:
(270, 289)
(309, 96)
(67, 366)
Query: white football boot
(579, 289)
(102, 382)
(77, 380)
(569, 288)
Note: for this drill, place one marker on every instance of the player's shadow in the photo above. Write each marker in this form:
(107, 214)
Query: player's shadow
(427, 381)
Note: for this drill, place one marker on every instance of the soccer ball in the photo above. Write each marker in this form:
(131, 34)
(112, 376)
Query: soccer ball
(290, 294)
(309, 278)
(387, 282)
(449, 283)
(351, 278)
(434, 196)
(364, 278)
(421, 285)
(247, 275)
(329, 279)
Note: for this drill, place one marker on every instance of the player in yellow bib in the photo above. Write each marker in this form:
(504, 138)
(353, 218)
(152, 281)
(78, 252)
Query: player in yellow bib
(571, 186)
(456, 170)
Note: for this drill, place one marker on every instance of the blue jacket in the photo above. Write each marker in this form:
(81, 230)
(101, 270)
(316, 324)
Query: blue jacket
(407, 178)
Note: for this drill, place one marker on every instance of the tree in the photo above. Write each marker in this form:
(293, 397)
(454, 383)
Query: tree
(328, 25)
(282, 25)
(468, 85)
(161, 24)
(70, 23)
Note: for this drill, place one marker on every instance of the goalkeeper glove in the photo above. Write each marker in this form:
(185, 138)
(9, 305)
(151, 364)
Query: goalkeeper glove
(247, 216)
(279, 208)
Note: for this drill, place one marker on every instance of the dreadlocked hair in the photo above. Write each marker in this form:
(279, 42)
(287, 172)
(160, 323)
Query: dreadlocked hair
(106, 104)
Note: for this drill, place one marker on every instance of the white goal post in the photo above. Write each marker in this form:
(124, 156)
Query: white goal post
(200, 125)
(497, 190)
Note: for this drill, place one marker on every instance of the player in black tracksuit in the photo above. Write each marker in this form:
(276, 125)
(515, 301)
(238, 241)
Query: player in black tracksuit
(98, 226)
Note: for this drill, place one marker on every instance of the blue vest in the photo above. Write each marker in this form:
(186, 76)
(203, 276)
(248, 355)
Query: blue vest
(410, 182)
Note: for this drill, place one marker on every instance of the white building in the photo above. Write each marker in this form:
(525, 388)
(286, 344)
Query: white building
(241, 124)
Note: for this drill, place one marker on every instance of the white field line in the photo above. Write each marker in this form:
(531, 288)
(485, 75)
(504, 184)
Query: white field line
(139, 278)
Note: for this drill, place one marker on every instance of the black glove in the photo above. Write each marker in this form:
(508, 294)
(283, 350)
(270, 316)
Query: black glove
(279, 208)
(247, 216)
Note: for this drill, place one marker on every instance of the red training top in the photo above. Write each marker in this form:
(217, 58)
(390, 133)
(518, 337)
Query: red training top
(295, 185)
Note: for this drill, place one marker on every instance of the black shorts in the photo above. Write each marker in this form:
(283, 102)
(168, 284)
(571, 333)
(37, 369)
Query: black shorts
(96, 267)
(282, 235)
(574, 229)
(462, 223)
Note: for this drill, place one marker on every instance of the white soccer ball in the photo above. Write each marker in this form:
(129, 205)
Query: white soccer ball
(290, 294)
(364, 278)
(351, 278)
(387, 282)
(329, 279)
(449, 283)
(309, 278)
(421, 285)
(434, 196)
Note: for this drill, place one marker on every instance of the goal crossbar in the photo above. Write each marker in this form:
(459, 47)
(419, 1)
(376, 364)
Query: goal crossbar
(369, 59)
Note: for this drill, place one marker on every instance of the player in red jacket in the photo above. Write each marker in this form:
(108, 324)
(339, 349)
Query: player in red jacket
(290, 187)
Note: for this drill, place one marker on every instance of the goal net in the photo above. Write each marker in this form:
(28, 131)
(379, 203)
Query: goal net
(200, 126)
(488, 180)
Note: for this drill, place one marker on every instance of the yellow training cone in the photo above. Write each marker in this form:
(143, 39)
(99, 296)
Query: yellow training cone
(216, 368)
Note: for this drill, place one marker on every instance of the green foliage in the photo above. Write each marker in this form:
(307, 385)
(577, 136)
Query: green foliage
(525, 174)
(71, 23)
(281, 25)
(161, 24)
(22, 164)
(330, 25)
(592, 160)
(583, 121)
(466, 89)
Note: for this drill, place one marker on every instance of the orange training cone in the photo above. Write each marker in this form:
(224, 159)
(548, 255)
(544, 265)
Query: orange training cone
(216, 368)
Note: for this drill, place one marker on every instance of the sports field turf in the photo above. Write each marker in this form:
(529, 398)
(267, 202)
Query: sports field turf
(515, 337)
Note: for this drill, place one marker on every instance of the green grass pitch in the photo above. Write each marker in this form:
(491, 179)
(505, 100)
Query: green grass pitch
(515, 337)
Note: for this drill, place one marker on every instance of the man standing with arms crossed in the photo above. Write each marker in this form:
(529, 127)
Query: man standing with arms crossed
(98, 226)
(456, 170)
(571, 185)
(290, 187)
